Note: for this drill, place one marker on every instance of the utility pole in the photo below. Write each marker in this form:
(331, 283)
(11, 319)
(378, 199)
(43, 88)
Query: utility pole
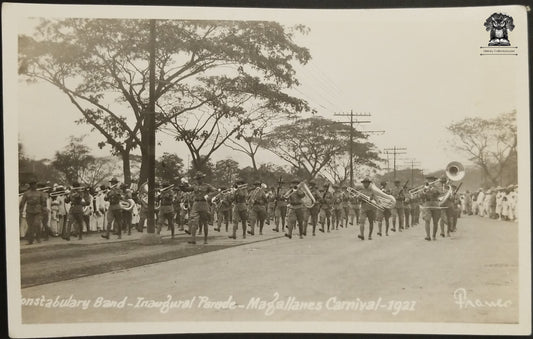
(150, 123)
(352, 122)
(396, 151)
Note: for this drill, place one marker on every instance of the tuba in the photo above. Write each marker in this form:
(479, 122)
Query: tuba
(383, 199)
(455, 171)
(308, 200)
(356, 194)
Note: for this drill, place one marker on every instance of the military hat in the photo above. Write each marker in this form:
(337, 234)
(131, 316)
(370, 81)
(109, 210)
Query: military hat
(366, 180)
(75, 184)
(257, 183)
(113, 180)
(295, 181)
(431, 177)
(199, 176)
(41, 184)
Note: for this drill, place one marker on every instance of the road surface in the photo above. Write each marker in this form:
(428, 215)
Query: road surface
(470, 277)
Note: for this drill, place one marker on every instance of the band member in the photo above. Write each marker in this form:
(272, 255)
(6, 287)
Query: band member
(115, 212)
(240, 212)
(447, 210)
(46, 211)
(384, 213)
(315, 209)
(354, 210)
(100, 208)
(127, 213)
(258, 202)
(295, 210)
(177, 209)
(223, 209)
(34, 202)
(280, 209)
(345, 206)
(430, 207)
(75, 213)
(367, 211)
(415, 210)
(166, 210)
(325, 200)
(87, 208)
(143, 213)
(337, 207)
(406, 211)
(397, 211)
(200, 207)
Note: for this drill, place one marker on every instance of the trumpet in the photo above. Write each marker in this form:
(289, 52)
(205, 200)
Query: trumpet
(356, 194)
(413, 192)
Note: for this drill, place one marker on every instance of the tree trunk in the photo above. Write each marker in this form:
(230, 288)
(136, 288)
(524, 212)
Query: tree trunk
(254, 164)
(126, 166)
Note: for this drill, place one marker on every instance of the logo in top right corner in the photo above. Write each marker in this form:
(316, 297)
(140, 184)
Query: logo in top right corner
(499, 25)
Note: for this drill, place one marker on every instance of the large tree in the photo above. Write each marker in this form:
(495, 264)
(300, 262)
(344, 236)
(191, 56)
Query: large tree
(101, 65)
(310, 145)
(74, 159)
(490, 144)
(168, 167)
(226, 172)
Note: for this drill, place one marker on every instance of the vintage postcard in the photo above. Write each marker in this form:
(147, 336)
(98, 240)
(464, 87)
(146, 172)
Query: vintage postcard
(215, 170)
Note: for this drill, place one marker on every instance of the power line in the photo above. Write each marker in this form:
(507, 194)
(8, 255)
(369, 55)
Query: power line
(396, 151)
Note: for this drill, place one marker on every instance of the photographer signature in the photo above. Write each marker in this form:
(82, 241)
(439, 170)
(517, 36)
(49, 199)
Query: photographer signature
(464, 302)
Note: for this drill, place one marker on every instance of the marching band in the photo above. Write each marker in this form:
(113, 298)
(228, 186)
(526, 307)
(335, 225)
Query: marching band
(300, 204)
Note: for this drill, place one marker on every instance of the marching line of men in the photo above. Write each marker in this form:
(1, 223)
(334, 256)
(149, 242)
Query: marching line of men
(243, 205)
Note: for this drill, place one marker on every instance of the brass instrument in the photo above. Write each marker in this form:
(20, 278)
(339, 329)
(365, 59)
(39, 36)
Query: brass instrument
(356, 194)
(309, 200)
(66, 191)
(383, 199)
(253, 195)
(454, 171)
(221, 194)
(126, 205)
(414, 192)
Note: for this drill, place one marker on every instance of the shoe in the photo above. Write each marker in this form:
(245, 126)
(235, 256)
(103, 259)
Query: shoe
(275, 229)
(321, 230)
(250, 233)
(314, 234)
(187, 231)
(361, 237)
(103, 236)
(387, 234)
(379, 234)
(205, 242)
(288, 236)
(191, 242)
(442, 235)
(369, 238)
(232, 237)
(393, 229)
(427, 238)
(30, 243)
(67, 238)
(217, 229)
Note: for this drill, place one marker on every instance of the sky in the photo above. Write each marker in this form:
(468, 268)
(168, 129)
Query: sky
(415, 75)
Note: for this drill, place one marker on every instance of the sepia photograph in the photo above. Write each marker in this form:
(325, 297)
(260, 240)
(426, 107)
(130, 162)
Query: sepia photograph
(224, 170)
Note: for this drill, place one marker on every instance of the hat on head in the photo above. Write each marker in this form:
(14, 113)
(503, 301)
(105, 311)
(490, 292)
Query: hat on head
(431, 177)
(383, 183)
(113, 180)
(257, 183)
(199, 176)
(75, 184)
(366, 180)
(295, 181)
(240, 181)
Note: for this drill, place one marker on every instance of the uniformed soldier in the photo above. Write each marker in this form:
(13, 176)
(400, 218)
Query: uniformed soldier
(313, 210)
(325, 200)
(166, 210)
(346, 206)
(367, 211)
(397, 211)
(415, 210)
(447, 210)
(75, 213)
(406, 210)
(337, 207)
(430, 207)
(200, 208)
(46, 210)
(280, 209)
(354, 210)
(114, 196)
(240, 212)
(385, 213)
(258, 202)
(295, 210)
(35, 203)
(127, 214)
(223, 210)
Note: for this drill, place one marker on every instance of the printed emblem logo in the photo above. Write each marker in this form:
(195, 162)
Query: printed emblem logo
(499, 24)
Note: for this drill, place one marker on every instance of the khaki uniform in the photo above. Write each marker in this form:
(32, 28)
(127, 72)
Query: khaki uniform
(296, 212)
(34, 202)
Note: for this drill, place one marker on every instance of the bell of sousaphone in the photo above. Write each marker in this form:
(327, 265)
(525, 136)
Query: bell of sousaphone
(308, 200)
(455, 171)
